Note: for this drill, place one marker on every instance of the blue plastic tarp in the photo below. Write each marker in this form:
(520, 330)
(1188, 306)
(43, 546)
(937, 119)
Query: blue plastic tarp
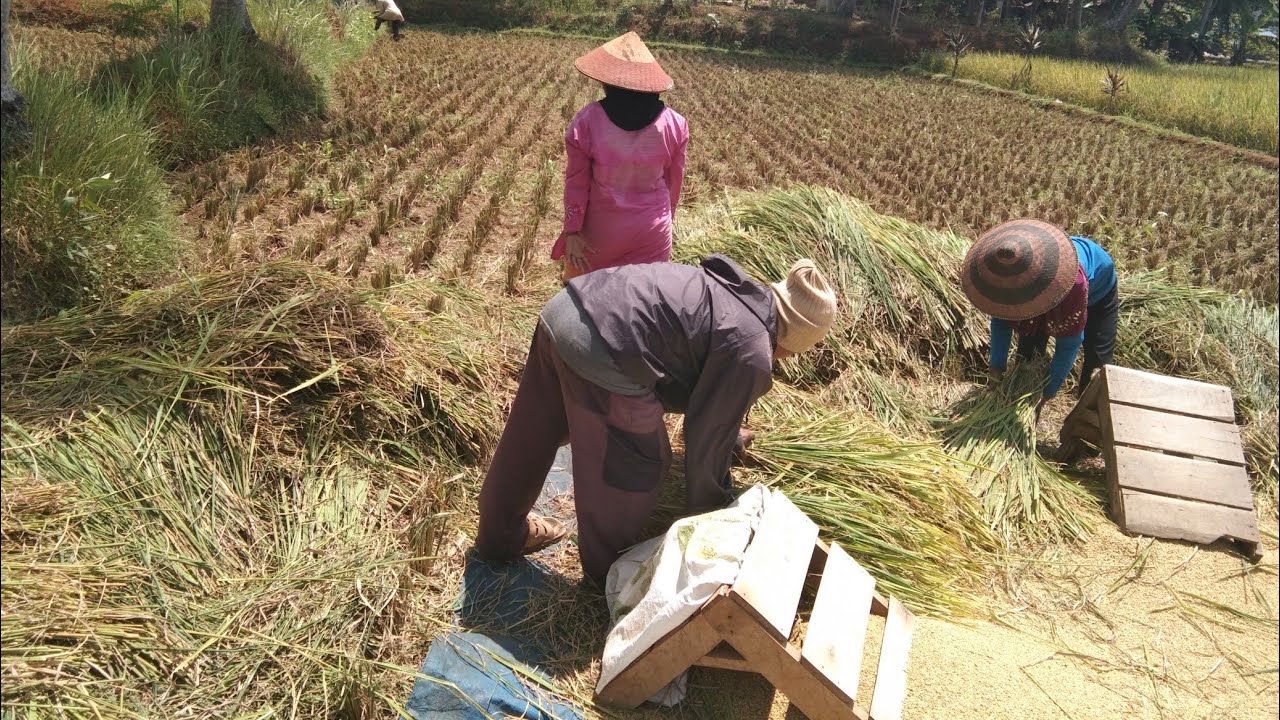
(469, 676)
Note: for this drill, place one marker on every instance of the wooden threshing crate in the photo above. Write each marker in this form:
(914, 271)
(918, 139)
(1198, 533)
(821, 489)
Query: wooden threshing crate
(747, 627)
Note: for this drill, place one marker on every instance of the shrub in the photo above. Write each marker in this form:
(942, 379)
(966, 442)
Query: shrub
(86, 212)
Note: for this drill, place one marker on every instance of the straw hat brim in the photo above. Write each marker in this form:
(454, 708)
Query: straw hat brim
(1020, 269)
(600, 66)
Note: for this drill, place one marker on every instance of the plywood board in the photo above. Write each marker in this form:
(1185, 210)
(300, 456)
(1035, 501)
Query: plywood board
(1183, 477)
(776, 562)
(1174, 518)
(1175, 433)
(891, 673)
(838, 625)
(1171, 394)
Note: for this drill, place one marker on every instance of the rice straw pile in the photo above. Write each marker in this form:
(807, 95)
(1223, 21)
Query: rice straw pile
(901, 507)
(214, 493)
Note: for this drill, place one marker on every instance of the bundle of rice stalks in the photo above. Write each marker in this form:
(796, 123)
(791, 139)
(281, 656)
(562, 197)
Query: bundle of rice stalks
(297, 345)
(1024, 497)
(901, 508)
(900, 304)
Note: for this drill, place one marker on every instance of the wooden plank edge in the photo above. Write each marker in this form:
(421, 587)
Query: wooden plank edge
(1185, 456)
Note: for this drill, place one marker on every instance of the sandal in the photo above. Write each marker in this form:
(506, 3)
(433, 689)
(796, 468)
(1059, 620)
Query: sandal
(543, 533)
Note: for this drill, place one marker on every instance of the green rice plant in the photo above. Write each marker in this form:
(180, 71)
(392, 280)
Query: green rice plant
(898, 506)
(1235, 105)
(1025, 499)
(192, 559)
(299, 342)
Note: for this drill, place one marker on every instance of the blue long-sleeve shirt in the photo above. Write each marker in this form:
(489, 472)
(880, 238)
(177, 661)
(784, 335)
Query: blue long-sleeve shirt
(1100, 270)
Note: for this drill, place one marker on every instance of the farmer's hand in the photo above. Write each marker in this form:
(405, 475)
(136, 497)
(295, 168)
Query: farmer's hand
(1044, 400)
(576, 250)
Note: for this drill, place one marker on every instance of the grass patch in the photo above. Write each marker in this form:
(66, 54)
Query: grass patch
(1237, 106)
(85, 209)
(86, 212)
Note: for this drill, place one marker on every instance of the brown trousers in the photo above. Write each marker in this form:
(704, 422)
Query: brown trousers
(621, 454)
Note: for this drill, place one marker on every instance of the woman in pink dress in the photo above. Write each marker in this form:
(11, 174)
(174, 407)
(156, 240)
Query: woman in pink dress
(625, 164)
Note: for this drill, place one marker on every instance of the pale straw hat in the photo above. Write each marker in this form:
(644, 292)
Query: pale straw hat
(806, 307)
(625, 62)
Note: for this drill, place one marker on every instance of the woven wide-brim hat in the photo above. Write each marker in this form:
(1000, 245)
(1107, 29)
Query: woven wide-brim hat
(625, 62)
(1020, 269)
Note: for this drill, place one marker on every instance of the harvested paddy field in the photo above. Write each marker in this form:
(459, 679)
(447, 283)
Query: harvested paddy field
(251, 493)
(444, 155)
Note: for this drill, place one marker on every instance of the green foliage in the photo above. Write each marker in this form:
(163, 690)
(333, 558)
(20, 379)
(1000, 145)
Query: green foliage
(1238, 106)
(211, 91)
(86, 212)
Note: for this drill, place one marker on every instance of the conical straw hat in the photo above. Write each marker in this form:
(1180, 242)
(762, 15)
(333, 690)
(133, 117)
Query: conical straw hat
(625, 62)
(1020, 269)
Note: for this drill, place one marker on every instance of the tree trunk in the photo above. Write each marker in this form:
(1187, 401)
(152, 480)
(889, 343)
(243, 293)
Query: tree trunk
(1120, 21)
(1205, 15)
(1063, 13)
(8, 94)
(1153, 17)
(12, 125)
(982, 12)
(1157, 9)
(230, 14)
(1077, 15)
(1242, 44)
(895, 13)
(1003, 7)
(1034, 10)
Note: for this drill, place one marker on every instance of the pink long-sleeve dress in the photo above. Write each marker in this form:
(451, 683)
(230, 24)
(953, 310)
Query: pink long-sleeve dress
(621, 188)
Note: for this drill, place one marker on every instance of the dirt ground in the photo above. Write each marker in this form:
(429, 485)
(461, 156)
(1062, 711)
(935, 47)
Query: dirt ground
(1118, 627)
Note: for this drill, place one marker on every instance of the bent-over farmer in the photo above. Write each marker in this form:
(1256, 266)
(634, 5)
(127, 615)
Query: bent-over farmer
(1033, 279)
(613, 351)
(387, 11)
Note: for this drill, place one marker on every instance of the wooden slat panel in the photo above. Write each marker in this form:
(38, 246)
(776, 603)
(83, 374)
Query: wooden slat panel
(781, 664)
(724, 657)
(879, 606)
(664, 660)
(776, 562)
(1108, 447)
(1183, 477)
(1166, 517)
(891, 673)
(1176, 433)
(1177, 395)
(838, 626)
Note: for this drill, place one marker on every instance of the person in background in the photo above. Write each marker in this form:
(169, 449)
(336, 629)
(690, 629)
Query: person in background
(387, 11)
(613, 351)
(1034, 280)
(624, 165)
